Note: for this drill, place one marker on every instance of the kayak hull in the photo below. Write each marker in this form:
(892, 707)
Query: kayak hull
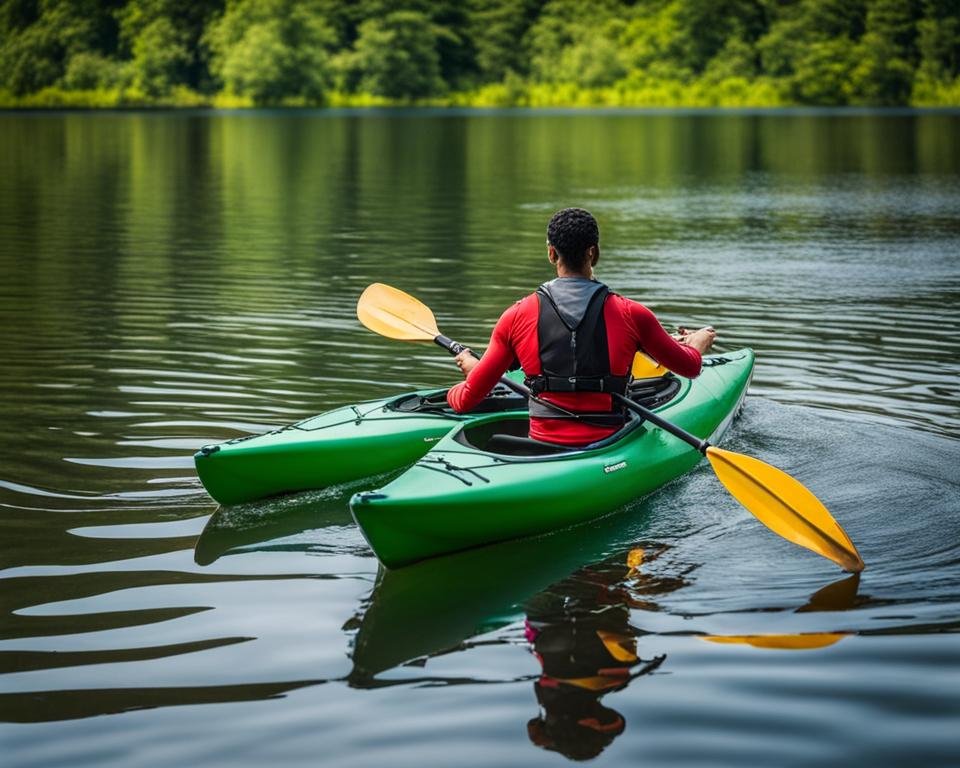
(458, 496)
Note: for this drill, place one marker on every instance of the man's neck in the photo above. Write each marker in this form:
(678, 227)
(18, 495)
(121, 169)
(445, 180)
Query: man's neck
(564, 272)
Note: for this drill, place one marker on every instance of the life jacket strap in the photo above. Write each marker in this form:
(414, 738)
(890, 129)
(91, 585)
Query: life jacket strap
(541, 409)
(544, 383)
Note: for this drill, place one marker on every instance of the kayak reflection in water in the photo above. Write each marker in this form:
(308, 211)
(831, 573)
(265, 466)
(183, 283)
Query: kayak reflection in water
(580, 632)
(575, 341)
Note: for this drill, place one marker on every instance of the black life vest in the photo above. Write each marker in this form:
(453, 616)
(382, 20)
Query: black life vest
(572, 338)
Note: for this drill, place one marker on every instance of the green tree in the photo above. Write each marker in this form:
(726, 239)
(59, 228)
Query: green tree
(810, 48)
(737, 58)
(272, 50)
(703, 28)
(495, 27)
(89, 71)
(160, 58)
(454, 47)
(938, 45)
(39, 37)
(396, 56)
(452, 18)
(885, 55)
(833, 18)
(938, 40)
(162, 40)
(575, 42)
(822, 72)
(652, 43)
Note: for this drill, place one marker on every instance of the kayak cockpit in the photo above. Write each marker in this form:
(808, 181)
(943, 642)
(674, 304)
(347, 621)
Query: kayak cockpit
(506, 437)
(510, 436)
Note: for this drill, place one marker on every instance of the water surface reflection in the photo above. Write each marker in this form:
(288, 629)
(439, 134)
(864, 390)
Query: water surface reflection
(172, 280)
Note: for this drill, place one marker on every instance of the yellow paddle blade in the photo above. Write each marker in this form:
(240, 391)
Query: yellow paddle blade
(798, 642)
(634, 562)
(595, 683)
(620, 647)
(785, 506)
(646, 368)
(395, 314)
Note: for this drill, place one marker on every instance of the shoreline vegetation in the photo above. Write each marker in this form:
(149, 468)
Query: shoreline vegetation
(737, 94)
(235, 54)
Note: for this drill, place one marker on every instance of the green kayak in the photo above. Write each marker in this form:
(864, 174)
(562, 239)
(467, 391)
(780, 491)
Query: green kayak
(484, 481)
(338, 446)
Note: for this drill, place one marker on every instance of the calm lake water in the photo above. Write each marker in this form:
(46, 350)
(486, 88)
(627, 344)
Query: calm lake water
(171, 280)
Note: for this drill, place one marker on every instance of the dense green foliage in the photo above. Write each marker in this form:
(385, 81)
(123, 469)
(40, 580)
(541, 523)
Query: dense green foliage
(272, 49)
(483, 52)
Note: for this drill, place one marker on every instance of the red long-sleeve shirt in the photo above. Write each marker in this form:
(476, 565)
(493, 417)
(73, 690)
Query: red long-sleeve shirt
(630, 326)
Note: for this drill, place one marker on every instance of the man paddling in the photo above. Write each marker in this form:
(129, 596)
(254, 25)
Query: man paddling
(576, 341)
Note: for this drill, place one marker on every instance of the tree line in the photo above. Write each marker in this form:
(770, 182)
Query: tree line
(480, 52)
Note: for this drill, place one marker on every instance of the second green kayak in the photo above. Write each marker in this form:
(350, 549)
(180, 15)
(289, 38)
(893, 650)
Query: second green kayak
(338, 446)
(484, 482)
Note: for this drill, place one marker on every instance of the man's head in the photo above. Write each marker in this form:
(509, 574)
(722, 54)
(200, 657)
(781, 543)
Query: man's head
(575, 237)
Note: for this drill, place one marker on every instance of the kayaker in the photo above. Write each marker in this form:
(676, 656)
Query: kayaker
(575, 340)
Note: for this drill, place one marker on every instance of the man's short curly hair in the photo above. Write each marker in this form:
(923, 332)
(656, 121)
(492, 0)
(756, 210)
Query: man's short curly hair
(571, 231)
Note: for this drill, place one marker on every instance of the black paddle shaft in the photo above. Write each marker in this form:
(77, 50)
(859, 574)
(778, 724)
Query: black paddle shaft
(673, 429)
(455, 348)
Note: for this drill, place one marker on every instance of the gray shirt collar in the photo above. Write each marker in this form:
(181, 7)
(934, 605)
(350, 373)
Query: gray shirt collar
(572, 296)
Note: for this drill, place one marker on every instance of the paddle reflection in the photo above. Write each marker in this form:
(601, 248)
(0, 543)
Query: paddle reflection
(579, 629)
(841, 595)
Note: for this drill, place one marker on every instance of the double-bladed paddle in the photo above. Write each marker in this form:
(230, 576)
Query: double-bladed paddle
(775, 498)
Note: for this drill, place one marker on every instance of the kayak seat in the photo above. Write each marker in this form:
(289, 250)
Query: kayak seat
(507, 437)
(513, 445)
